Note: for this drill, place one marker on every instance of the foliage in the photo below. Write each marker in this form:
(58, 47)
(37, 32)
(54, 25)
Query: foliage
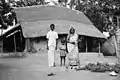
(100, 12)
(102, 67)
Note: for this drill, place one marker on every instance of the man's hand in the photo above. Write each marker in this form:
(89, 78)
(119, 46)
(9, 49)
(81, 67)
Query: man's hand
(47, 48)
(55, 48)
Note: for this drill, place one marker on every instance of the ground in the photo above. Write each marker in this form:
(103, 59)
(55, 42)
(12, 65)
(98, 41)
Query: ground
(34, 67)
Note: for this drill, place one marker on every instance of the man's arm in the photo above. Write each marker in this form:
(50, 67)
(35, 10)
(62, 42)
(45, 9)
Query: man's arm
(56, 43)
(56, 40)
(47, 45)
(47, 36)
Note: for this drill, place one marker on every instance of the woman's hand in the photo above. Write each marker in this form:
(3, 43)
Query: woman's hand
(73, 43)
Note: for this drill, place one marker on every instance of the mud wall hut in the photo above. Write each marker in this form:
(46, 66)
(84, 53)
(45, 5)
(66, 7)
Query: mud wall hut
(35, 22)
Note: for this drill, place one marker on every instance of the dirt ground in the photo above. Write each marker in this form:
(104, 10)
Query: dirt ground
(34, 67)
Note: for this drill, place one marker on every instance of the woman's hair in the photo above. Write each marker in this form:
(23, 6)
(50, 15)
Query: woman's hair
(72, 28)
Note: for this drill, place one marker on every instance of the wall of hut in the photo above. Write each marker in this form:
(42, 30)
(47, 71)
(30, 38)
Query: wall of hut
(85, 44)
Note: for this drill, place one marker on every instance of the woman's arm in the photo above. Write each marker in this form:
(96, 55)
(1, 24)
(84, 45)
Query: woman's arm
(75, 42)
(68, 38)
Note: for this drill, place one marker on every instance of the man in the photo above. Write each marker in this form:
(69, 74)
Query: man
(52, 37)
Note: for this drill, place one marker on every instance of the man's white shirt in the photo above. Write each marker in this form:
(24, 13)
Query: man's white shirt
(52, 36)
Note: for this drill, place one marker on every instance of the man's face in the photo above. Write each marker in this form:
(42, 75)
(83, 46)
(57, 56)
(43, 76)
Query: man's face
(52, 28)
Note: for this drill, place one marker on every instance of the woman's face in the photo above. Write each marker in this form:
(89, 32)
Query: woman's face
(72, 31)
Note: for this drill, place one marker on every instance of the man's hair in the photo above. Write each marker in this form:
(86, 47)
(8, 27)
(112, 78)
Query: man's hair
(52, 25)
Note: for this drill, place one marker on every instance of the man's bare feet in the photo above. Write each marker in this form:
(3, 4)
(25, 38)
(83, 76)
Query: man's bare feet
(51, 74)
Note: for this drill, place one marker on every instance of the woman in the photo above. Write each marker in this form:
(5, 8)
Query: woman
(72, 47)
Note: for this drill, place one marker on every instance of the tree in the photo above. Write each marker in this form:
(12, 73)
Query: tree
(99, 12)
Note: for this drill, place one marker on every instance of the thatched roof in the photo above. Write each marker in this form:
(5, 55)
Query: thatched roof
(35, 21)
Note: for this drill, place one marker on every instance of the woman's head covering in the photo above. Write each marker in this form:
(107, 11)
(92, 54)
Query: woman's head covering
(72, 28)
